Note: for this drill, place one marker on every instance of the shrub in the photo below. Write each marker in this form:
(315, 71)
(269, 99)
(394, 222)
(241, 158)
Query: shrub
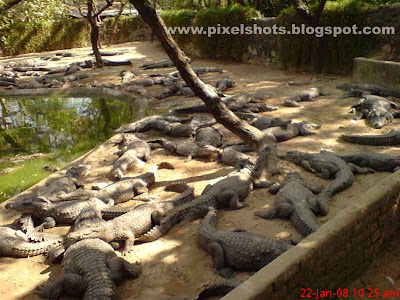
(221, 45)
(46, 36)
(336, 54)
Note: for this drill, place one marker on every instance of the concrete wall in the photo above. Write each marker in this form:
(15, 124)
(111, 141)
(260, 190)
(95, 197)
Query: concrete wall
(385, 73)
(336, 254)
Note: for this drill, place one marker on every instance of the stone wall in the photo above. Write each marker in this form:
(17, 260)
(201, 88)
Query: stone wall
(262, 48)
(329, 259)
(384, 16)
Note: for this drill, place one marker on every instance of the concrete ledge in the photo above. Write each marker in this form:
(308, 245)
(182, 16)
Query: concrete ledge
(71, 92)
(385, 73)
(334, 255)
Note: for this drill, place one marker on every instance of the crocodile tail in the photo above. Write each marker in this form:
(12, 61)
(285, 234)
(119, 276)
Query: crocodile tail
(185, 197)
(373, 140)
(304, 220)
(111, 212)
(177, 186)
(32, 249)
(218, 288)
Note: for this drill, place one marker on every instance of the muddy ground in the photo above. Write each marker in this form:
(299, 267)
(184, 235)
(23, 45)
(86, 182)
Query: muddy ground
(175, 266)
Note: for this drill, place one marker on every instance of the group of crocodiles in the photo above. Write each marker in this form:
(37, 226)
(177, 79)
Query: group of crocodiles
(91, 269)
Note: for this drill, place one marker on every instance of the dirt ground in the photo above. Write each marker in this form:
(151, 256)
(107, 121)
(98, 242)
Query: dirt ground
(175, 266)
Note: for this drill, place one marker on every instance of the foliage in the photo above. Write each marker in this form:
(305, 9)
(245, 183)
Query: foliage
(221, 45)
(45, 36)
(179, 18)
(337, 54)
(125, 26)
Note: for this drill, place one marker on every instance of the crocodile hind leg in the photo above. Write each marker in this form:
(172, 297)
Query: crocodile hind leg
(231, 199)
(68, 283)
(282, 210)
(358, 170)
(218, 258)
(121, 268)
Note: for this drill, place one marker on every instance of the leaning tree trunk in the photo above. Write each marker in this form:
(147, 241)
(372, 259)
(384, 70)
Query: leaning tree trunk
(114, 26)
(205, 92)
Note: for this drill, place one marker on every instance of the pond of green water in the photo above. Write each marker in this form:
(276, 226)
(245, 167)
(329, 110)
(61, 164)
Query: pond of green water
(64, 127)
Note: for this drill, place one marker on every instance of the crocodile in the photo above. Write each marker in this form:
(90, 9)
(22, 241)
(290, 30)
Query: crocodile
(133, 224)
(132, 154)
(377, 110)
(229, 192)
(237, 249)
(243, 103)
(92, 269)
(118, 192)
(372, 88)
(224, 84)
(158, 65)
(290, 131)
(208, 135)
(204, 135)
(262, 122)
(326, 166)
(185, 148)
(310, 94)
(127, 76)
(17, 244)
(228, 155)
(146, 124)
(52, 213)
(355, 93)
(371, 161)
(78, 171)
(167, 124)
(200, 71)
(389, 139)
(58, 187)
(219, 287)
(295, 201)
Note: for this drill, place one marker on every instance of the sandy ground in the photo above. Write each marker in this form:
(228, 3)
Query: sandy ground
(175, 266)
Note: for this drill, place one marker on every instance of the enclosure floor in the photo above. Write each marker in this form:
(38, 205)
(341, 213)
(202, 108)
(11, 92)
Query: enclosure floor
(175, 266)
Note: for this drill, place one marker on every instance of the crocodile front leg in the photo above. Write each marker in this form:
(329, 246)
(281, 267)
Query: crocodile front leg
(69, 283)
(217, 254)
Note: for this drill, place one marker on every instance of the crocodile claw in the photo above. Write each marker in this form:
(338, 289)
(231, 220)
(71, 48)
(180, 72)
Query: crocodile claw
(154, 234)
(226, 273)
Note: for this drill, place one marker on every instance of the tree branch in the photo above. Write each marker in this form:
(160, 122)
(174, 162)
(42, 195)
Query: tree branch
(10, 4)
(109, 3)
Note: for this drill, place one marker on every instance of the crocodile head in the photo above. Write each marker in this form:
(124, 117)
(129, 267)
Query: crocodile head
(293, 176)
(293, 156)
(279, 122)
(90, 231)
(29, 206)
(379, 119)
